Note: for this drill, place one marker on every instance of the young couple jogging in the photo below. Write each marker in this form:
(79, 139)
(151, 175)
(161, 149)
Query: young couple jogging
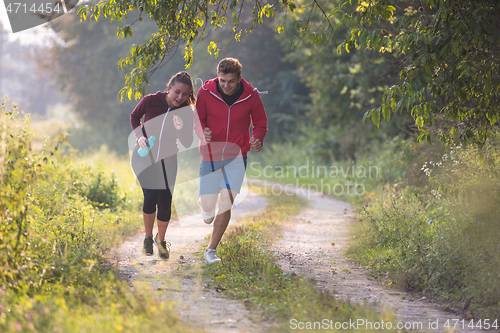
(225, 107)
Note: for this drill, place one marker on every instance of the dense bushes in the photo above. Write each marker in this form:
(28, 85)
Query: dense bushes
(429, 213)
(59, 219)
(440, 234)
(48, 220)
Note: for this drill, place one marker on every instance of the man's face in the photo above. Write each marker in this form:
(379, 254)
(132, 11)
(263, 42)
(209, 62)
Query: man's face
(229, 82)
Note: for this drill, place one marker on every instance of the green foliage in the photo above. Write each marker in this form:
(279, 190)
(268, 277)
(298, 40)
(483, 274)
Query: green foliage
(449, 53)
(107, 306)
(54, 273)
(463, 173)
(440, 233)
(343, 87)
(430, 215)
(356, 182)
(103, 192)
(18, 171)
(105, 118)
(89, 78)
(39, 189)
(179, 24)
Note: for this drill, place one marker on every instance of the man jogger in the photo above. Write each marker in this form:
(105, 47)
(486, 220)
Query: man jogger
(226, 106)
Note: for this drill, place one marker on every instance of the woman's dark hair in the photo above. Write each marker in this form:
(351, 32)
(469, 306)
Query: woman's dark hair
(184, 78)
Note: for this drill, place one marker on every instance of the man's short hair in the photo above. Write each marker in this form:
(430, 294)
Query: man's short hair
(228, 66)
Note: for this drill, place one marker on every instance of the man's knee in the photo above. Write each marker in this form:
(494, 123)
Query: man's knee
(226, 200)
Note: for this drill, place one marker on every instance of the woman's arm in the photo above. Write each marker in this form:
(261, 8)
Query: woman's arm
(136, 116)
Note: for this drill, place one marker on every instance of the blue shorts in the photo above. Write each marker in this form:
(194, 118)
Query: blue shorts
(217, 175)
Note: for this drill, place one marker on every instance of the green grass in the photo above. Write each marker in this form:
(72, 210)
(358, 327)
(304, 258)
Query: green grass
(355, 182)
(436, 230)
(249, 271)
(428, 220)
(442, 237)
(59, 218)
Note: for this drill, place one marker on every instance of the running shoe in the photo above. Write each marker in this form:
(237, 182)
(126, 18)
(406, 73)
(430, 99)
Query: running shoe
(147, 248)
(163, 248)
(211, 256)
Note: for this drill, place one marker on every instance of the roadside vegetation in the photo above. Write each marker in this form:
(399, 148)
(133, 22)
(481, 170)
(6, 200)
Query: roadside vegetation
(248, 271)
(59, 219)
(62, 214)
(436, 230)
(428, 214)
(428, 217)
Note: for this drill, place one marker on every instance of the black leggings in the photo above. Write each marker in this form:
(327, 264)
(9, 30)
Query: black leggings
(161, 198)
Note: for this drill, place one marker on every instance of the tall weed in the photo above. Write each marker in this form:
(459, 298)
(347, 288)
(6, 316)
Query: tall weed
(440, 236)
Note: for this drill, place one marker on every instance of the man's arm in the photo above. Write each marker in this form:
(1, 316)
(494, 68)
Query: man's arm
(259, 122)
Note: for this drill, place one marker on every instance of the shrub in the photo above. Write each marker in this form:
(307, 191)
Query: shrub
(54, 274)
(441, 237)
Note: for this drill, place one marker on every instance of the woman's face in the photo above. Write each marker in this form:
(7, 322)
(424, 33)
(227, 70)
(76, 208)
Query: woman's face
(177, 94)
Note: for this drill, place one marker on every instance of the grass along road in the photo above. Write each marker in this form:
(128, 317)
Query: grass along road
(315, 244)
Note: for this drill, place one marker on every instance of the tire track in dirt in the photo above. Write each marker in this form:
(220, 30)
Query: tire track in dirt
(307, 247)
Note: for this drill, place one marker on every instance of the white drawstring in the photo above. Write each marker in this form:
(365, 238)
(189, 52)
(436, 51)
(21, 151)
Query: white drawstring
(261, 92)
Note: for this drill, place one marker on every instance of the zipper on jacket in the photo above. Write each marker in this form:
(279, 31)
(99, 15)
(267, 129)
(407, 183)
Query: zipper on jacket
(161, 132)
(228, 117)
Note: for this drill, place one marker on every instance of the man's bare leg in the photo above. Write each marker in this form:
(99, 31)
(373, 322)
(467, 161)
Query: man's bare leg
(208, 203)
(223, 216)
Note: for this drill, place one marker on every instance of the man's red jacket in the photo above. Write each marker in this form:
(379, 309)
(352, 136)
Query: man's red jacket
(230, 126)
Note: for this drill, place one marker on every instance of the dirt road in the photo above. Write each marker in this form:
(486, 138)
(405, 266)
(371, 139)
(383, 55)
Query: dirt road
(179, 278)
(315, 244)
(305, 247)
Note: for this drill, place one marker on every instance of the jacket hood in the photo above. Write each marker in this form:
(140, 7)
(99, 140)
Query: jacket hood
(161, 95)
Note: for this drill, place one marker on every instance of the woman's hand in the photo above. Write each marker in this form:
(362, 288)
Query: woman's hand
(178, 123)
(143, 142)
